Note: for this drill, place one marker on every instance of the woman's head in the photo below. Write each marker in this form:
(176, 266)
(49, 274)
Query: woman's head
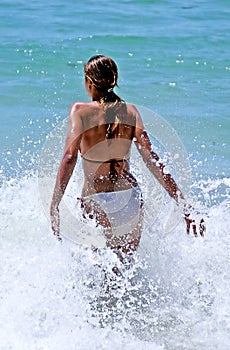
(102, 72)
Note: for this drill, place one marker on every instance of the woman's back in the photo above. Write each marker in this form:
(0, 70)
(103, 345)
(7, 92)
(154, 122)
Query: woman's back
(96, 120)
(105, 157)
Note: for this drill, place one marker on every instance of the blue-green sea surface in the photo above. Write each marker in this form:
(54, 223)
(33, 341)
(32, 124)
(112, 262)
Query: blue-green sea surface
(173, 58)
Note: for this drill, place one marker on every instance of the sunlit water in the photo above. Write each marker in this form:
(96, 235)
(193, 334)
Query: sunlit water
(174, 295)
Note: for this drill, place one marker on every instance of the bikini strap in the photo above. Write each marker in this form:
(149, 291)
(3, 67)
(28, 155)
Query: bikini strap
(113, 174)
(106, 161)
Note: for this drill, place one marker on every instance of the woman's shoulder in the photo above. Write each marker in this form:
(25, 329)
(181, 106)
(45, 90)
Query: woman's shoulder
(132, 111)
(131, 108)
(82, 106)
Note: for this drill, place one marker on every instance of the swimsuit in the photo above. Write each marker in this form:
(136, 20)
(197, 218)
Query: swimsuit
(113, 163)
(122, 208)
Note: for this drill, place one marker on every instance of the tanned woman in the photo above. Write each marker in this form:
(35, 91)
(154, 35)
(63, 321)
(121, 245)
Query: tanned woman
(102, 132)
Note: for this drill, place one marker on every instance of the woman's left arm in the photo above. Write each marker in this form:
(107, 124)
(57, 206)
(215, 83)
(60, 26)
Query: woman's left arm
(68, 162)
(153, 163)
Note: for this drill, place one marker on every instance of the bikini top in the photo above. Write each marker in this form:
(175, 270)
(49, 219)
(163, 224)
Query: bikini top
(113, 174)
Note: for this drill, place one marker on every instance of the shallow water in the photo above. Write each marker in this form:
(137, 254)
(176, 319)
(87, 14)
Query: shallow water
(173, 296)
(173, 59)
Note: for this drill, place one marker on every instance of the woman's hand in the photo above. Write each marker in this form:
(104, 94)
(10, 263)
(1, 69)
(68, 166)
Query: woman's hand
(197, 225)
(55, 221)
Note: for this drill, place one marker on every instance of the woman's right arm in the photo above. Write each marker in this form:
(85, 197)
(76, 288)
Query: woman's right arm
(68, 162)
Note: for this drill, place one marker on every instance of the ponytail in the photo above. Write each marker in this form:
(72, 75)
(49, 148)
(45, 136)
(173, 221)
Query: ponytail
(103, 73)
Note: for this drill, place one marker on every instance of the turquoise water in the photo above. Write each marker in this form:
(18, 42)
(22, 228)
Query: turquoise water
(173, 58)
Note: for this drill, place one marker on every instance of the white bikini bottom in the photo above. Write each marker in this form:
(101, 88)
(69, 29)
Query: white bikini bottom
(122, 208)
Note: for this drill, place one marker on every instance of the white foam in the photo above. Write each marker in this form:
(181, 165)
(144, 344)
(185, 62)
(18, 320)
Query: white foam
(53, 295)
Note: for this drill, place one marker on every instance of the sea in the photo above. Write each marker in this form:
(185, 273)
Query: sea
(173, 61)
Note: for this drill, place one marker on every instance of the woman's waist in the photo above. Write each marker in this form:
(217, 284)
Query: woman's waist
(107, 159)
(97, 184)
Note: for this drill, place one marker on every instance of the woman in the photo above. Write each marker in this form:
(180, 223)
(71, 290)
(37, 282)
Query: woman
(102, 132)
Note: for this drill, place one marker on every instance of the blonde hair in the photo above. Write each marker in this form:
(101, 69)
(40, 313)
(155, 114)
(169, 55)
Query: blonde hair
(103, 73)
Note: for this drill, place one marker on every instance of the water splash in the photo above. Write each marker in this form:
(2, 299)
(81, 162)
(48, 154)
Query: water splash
(174, 295)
